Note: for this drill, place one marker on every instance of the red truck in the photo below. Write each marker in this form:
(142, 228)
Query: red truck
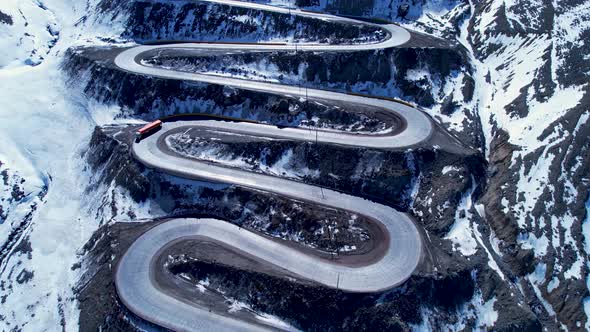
(152, 126)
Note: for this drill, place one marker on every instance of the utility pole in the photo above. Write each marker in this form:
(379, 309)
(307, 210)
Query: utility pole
(330, 238)
(316, 136)
(335, 246)
(338, 282)
(316, 144)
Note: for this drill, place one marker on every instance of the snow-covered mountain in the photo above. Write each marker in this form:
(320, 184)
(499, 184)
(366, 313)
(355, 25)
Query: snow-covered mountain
(29, 30)
(518, 223)
(42, 127)
(531, 94)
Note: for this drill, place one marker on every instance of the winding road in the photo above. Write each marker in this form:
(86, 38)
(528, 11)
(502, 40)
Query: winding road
(134, 277)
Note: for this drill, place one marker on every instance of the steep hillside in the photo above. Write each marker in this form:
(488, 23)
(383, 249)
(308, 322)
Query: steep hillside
(508, 224)
(534, 104)
(531, 94)
(42, 127)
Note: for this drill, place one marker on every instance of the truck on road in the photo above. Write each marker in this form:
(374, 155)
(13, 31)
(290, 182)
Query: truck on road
(148, 128)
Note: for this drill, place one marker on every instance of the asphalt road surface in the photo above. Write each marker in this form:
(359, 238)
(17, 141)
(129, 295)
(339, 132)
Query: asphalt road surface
(134, 277)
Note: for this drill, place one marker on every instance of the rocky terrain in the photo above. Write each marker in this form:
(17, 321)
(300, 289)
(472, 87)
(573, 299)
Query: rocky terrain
(434, 74)
(127, 91)
(532, 97)
(276, 216)
(303, 305)
(537, 146)
(424, 169)
(505, 216)
(204, 21)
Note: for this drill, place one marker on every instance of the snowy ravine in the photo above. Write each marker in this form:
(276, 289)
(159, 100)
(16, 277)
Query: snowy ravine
(42, 130)
(534, 104)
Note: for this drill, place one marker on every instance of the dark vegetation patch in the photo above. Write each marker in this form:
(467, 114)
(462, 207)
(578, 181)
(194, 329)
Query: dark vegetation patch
(307, 306)
(319, 308)
(113, 86)
(24, 276)
(338, 70)
(189, 20)
(6, 19)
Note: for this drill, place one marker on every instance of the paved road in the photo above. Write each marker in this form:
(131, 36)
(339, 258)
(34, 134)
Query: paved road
(134, 276)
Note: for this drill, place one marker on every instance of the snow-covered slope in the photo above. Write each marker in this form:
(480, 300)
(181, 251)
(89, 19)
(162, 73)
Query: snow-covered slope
(528, 216)
(532, 96)
(28, 31)
(42, 129)
(534, 105)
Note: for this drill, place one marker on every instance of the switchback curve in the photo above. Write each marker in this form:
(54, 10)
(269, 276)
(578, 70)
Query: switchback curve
(134, 276)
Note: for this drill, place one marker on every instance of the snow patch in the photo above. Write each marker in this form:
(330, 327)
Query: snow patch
(482, 314)
(536, 279)
(44, 129)
(448, 169)
(461, 233)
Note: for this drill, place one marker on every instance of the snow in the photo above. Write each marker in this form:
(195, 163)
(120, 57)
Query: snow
(575, 271)
(274, 321)
(524, 132)
(261, 71)
(202, 285)
(112, 197)
(43, 132)
(235, 305)
(491, 261)
(416, 75)
(461, 233)
(448, 169)
(12, 154)
(507, 84)
(532, 184)
(48, 153)
(481, 313)
(285, 166)
(255, 26)
(20, 174)
(536, 279)
(31, 36)
(554, 283)
(347, 248)
(56, 128)
(414, 187)
(429, 11)
(487, 315)
(531, 241)
(513, 68)
(487, 18)
(495, 242)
